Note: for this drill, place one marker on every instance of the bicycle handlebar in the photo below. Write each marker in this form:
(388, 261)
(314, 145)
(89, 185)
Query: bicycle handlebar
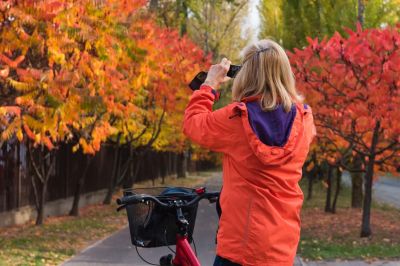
(132, 199)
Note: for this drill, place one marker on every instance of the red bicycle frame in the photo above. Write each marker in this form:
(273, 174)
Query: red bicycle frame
(184, 254)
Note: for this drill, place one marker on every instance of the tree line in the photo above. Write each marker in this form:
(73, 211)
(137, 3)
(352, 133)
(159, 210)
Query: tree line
(346, 64)
(90, 73)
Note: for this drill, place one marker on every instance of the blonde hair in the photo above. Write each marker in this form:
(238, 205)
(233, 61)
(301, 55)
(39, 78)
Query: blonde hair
(266, 71)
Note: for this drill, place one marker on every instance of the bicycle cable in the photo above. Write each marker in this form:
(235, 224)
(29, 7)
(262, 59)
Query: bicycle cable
(166, 243)
(137, 251)
(194, 244)
(173, 251)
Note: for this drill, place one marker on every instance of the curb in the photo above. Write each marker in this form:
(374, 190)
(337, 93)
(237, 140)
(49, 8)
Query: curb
(91, 246)
(299, 261)
(302, 263)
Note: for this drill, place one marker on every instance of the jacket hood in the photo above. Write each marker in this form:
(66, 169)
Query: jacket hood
(273, 136)
(272, 128)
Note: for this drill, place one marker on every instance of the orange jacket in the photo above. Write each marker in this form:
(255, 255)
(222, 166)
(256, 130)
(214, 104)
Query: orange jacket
(261, 198)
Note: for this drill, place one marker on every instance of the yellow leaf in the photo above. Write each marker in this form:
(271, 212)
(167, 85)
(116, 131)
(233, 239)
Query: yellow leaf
(20, 136)
(310, 166)
(75, 148)
(37, 138)
(88, 46)
(20, 86)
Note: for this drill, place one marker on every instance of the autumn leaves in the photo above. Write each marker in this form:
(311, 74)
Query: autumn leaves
(87, 72)
(352, 84)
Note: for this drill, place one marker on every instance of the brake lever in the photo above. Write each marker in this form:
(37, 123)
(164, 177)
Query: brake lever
(121, 207)
(213, 200)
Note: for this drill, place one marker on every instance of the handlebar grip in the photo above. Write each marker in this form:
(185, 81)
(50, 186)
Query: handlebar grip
(128, 200)
(132, 199)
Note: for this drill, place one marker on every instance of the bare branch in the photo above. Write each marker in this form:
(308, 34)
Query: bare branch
(156, 133)
(388, 147)
(35, 167)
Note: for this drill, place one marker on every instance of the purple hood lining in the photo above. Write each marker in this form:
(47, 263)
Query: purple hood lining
(272, 128)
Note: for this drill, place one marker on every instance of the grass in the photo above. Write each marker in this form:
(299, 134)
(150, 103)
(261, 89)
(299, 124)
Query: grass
(59, 238)
(62, 237)
(327, 236)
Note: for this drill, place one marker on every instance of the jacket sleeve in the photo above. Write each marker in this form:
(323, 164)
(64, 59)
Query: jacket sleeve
(309, 124)
(209, 129)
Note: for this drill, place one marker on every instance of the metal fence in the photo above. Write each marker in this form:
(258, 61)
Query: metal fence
(15, 181)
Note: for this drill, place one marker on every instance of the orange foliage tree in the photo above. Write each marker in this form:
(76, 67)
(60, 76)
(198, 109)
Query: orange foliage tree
(86, 73)
(353, 86)
(170, 62)
(61, 61)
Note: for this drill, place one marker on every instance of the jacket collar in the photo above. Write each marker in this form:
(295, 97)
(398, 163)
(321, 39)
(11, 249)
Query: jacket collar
(251, 98)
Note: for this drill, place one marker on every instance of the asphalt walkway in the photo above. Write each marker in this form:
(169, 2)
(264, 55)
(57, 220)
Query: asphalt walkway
(385, 189)
(117, 249)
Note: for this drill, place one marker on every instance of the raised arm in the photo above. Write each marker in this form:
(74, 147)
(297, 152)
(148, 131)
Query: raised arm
(209, 129)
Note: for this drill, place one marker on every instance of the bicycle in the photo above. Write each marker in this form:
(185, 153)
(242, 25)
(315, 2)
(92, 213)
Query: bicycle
(165, 219)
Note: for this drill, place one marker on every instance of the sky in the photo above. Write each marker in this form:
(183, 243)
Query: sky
(253, 19)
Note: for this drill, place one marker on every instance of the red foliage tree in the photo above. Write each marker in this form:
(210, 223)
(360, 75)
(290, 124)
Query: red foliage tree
(353, 85)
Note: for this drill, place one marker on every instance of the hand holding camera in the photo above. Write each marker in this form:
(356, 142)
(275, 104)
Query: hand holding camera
(216, 75)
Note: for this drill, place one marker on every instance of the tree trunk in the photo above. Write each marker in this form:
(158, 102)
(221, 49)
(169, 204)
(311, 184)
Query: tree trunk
(133, 164)
(191, 164)
(361, 9)
(157, 167)
(169, 167)
(163, 166)
(79, 186)
(174, 163)
(40, 210)
(151, 169)
(46, 172)
(338, 187)
(366, 215)
(356, 183)
(124, 168)
(137, 168)
(328, 207)
(184, 18)
(41, 172)
(113, 179)
(366, 226)
(181, 165)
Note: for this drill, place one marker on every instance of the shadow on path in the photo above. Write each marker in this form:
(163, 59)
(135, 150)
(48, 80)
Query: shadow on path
(118, 250)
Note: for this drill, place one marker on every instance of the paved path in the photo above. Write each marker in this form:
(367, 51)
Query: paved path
(117, 249)
(385, 189)
(352, 263)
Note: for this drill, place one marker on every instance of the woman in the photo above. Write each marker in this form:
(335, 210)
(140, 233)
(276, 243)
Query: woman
(265, 136)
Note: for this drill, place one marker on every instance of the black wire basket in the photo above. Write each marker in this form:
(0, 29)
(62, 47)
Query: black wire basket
(151, 225)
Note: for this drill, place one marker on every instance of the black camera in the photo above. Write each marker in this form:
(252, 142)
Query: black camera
(201, 77)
